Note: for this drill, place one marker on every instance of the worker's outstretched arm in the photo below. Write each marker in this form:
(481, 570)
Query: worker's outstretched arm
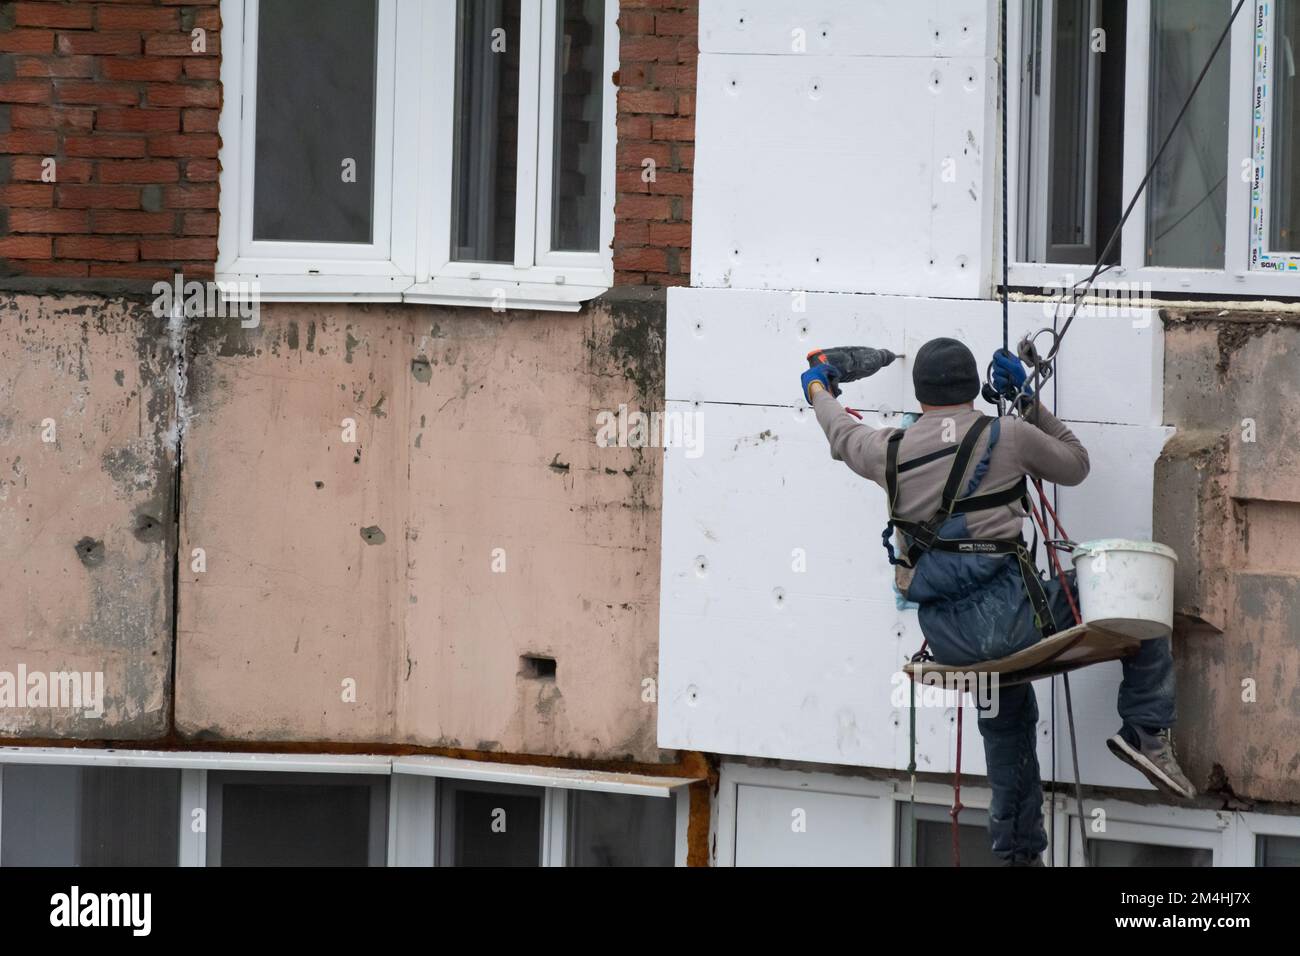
(859, 446)
(1047, 449)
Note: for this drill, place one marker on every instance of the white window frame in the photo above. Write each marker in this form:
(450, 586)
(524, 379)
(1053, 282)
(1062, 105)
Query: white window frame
(1261, 256)
(412, 808)
(1160, 824)
(1237, 277)
(410, 257)
(1252, 826)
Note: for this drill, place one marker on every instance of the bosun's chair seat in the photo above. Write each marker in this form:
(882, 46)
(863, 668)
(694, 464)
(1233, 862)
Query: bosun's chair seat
(1066, 651)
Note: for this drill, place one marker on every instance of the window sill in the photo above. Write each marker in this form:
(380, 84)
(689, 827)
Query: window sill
(470, 293)
(1191, 282)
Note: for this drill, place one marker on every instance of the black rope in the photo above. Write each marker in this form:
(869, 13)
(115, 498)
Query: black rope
(1006, 267)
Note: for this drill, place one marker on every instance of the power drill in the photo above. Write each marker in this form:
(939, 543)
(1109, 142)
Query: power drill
(851, 362)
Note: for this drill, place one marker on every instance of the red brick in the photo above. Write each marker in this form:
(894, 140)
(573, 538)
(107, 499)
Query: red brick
(629, 181)
(631, 75)
(631, 232)
(200, 224)
(46, 117)
(670, 234)
(74, 66)
(201, 170)
(674, 129)
(98, 94)
(27, 41)
(31, 168)
(60, 269)
(629, 278)
(648, 48)
(109, 147)
(139, 18)
(632, 154)
(148, 172)
(652, 260)
(668, 183)
(643, 207)
(25, 247)
(684, 155)
(148, 271)
(678, 24)
(47, 220)
(686, 104)
(634, 127)
(96, 247)
(26, 194)
(139, 120)
(28, 141)
(26, 91)
(680, 278)
(99, 197)
(144, 68)
(646, 101)
(201, 69)
(100, 42)
(135, 223)
(184, 144)
(190, 197)
(181, 44)
(208, 19)
(180, 94)
(76, 16)
(635, 22)
(167, 249)
(200, 121)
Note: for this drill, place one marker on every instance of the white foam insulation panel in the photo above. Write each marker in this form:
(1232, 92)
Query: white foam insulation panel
(845, 146)
(760, 658)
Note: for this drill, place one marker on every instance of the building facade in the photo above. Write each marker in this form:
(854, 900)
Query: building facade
(401, 462)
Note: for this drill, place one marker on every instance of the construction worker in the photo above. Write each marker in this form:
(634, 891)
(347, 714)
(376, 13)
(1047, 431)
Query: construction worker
(962, 559)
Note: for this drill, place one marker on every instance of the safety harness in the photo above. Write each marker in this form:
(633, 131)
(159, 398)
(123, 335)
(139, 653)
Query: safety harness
(923, 536)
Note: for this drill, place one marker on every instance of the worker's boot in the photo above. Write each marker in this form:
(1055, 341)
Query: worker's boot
(1152, 755)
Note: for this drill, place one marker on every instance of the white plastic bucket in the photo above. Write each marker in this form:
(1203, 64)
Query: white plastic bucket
(1127, 586)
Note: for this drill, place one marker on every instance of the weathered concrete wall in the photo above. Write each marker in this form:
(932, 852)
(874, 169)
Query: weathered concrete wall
(1228, 499)
(86, 510)
(377, 561)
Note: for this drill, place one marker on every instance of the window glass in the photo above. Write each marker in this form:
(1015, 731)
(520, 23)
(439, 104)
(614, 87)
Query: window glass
(315, 139)
(1285, 210)
(487, 131)
(1070, 211)
(1274, 850)
(1187, 200)
(610, 829)
(272, 819)
(932, 835)
(579, 70)
(89, 816)
(1124, 853)
(486, 825)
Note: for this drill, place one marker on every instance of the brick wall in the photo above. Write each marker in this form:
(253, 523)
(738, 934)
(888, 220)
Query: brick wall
(115, 95)
(656, 120)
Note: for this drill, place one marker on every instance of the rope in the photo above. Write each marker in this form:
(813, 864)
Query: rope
(957, 808)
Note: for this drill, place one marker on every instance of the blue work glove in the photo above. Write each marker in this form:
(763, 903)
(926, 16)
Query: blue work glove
(828, 375)
(1008, 374)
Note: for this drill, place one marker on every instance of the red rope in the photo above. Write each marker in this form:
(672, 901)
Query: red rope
(1051, 551)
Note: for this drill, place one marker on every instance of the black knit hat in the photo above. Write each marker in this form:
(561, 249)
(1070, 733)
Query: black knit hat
(944, 373)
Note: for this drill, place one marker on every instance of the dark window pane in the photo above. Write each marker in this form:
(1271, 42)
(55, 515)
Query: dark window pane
(931, 834)
(1187, 204)
(609, 829)
(1071, 214)
(579, 69)
(1122, 853)
(492, 826)
(1285, 209)
(487, 131)
(1277, 851)
(89, 816)
(295, 824)
(315, 110)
